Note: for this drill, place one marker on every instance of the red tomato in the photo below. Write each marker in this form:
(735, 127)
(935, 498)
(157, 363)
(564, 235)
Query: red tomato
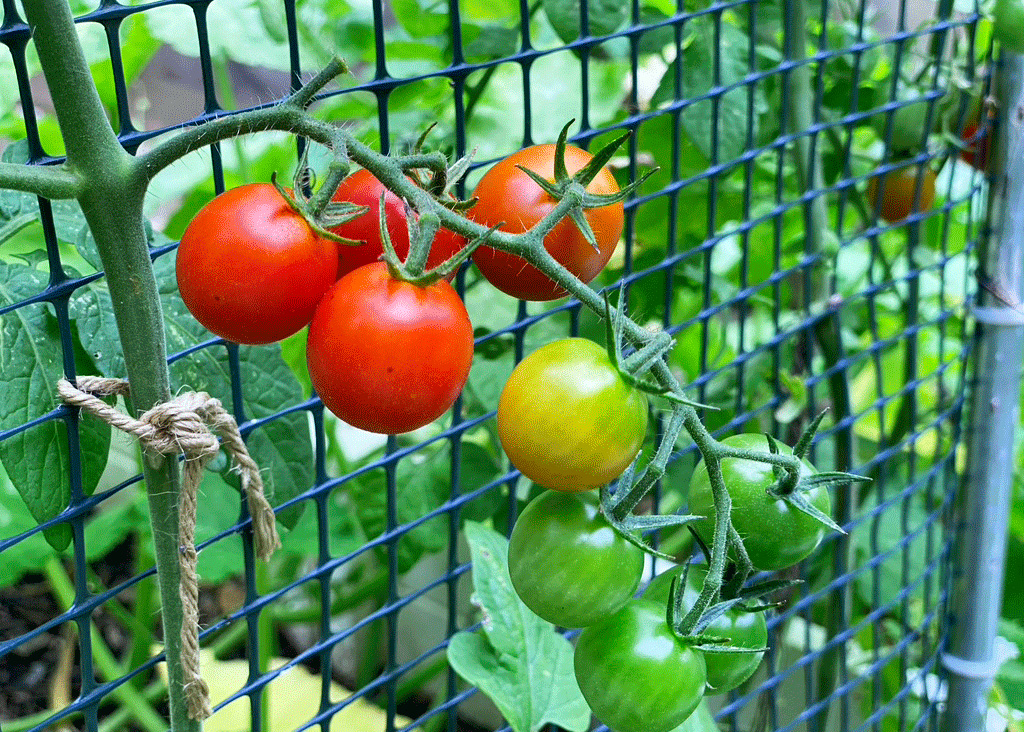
(976, 153)
(250, 268)
(506, 194)
(362, 189)
(898, 190)
(388, 356)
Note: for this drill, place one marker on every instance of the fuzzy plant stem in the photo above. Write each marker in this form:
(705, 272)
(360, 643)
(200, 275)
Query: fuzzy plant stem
(111, 192)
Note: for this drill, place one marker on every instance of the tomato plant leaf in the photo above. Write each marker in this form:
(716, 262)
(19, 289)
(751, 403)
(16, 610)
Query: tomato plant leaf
(518, 660)
(38, 459)
(603, 16)
(735, 115)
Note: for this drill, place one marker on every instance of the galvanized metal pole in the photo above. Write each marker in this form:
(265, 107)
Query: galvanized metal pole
(983, 508)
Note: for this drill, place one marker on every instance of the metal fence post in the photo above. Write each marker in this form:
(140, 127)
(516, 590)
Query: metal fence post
(983, 509)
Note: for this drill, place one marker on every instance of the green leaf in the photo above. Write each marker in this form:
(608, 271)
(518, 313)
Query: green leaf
(422, 484)
(1011, 673)
(700, 721)
(38, 460)
(735, 116)
(27, 556)
(518, 660)
(604, 17)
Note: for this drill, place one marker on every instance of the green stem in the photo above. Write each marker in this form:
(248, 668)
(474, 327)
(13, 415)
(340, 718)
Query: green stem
(709, 449)
(54, 182)
(142, 643)
(266, 637)
(129, 697)
(111, 195)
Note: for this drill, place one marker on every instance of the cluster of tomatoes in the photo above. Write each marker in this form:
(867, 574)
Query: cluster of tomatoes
(389, 355)
(634, 670)
(384, 354)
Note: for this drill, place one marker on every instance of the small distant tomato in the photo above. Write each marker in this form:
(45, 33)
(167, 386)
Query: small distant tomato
(388, 356)
(898, 191)
(250, 268)
(362, 189)
(508, 196)
(726, 671)
(976, 152)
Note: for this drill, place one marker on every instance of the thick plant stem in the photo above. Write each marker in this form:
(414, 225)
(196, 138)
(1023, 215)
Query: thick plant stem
(111, 196)
(826, 329)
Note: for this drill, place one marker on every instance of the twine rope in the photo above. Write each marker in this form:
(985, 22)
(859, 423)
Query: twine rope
(189, 425)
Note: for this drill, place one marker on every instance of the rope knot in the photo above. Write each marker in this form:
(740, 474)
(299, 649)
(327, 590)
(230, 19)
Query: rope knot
(180, 426)
(188, 425)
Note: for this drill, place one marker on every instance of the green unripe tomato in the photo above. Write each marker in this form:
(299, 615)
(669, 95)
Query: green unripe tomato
(908, 125)
(775, 534)
(726, 671)
(635, 674)
(568, 564)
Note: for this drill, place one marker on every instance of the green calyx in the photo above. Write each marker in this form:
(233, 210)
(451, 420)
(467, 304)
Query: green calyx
(792, 487)
(575, 185)
(334, 214)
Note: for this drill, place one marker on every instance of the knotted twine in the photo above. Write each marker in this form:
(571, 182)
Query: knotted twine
(183, 426)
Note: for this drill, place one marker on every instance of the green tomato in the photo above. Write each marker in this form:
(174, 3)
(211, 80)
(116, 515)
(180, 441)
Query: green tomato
(726, 671)
(567, 564)
(568, 420)
(775, 534)
(635, 674)
(908, 125)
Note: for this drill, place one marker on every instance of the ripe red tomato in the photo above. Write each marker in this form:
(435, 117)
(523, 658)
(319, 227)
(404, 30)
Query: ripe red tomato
(568, 420)
(362, 189)
(389, 356)
(898, 190)
(506, 194)
(250, 268)
(976, 152)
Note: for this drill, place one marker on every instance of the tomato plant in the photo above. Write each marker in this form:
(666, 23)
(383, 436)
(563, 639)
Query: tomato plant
(898, 191)
(388, 356)
(568, 564)
(250, 268)
(775, 534)
(568, 420)
(635, 674)
(509, 197)
(363, 189)
(726, 671)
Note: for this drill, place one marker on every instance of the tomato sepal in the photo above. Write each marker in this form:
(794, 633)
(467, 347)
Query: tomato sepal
(302, 209)
(799, 501)
(611, 502)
